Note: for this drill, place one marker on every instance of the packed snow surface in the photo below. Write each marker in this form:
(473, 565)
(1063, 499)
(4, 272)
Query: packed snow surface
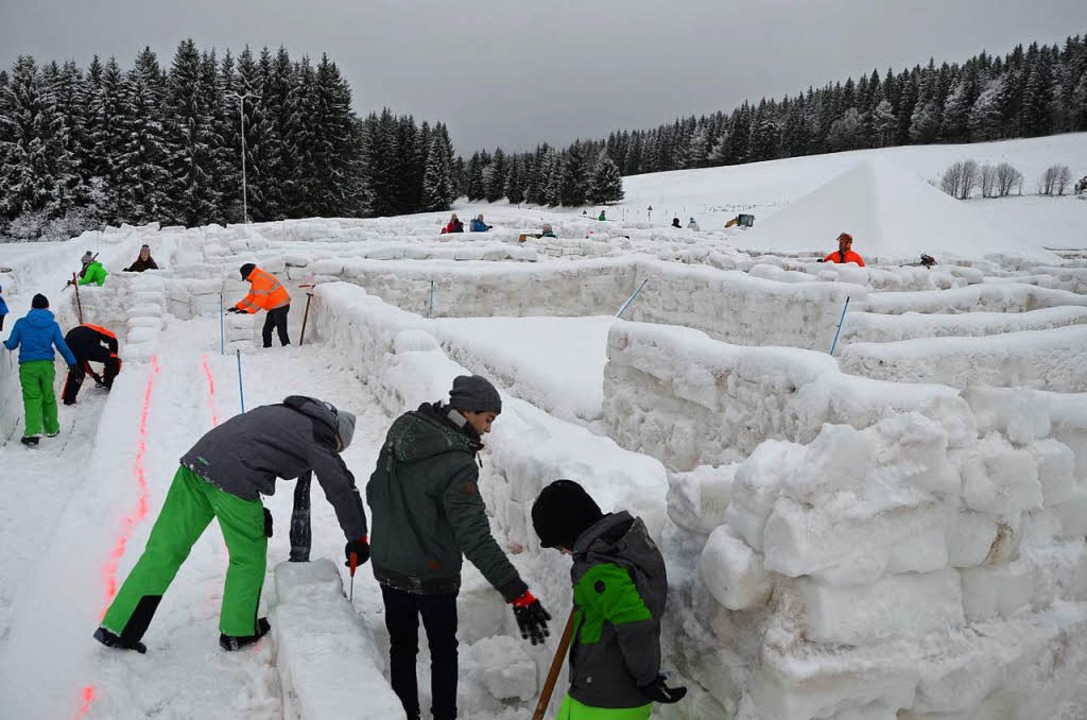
(896, 531)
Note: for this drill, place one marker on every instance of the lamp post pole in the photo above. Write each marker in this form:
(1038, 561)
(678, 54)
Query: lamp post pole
(241, 122)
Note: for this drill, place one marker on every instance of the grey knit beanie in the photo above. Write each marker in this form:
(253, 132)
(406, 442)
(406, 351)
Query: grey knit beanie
(473, 393)
(346, 423)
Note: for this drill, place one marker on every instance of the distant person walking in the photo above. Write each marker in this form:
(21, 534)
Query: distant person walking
(35, 335)
(265, 293)
(143, 262)
(845, 252)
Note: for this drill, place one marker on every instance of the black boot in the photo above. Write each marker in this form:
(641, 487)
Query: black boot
(236, 642)
(30, 440)
(111, 640)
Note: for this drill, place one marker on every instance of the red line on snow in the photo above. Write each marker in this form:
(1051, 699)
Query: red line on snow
(129, 521)
(132, 519)
(211, 392)
(88, 698)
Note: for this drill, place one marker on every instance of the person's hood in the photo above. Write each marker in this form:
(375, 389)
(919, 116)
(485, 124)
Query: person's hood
(326, 428)
(40, 317)
(616, 535)
(430, 431)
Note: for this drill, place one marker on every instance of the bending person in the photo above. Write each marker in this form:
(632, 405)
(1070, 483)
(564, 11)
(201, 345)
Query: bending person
(91, 343)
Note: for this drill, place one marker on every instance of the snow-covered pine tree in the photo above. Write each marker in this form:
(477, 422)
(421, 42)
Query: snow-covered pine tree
(276, 74)
(437, 183)
(335, 187)
(496, 178)
(575, 176)
(141, 166)
(36, 161)
(107, 136)
(514, 188)
(607, 183)
(476, 189)
(191, 198)
(382, 162)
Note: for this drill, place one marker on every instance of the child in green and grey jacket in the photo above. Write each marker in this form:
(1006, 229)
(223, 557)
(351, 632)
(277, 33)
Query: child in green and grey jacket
(620, 588)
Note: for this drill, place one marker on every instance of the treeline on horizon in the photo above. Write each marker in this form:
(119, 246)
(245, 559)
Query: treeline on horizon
(1028, 93)
(80, 149)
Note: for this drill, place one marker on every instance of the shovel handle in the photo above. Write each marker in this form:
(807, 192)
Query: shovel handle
(556, 666)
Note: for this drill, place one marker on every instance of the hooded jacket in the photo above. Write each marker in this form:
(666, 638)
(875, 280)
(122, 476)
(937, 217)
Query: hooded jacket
(35, 335)
(620, 589)
(94, 273)
(246, 454)
(427, 510)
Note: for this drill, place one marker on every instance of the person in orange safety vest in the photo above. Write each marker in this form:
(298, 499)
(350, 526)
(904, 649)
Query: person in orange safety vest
(845, 252)
(265, 293)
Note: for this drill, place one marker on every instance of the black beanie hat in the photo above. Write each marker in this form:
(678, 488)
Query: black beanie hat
(562, 512)
(40, 302)
(246, 269)
(472, 393)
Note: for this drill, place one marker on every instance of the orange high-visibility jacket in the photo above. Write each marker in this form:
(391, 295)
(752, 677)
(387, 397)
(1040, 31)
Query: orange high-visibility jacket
(850, 257)
(265, 292)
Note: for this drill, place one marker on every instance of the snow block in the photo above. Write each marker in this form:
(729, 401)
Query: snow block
(970, 537)
(802, 539)
(506, 669)
(1073, 514)
(998, 478)
(697, 500)
(1056, 470)
(733, 572)
(1000, 590)
(318, 635)
(909, 605)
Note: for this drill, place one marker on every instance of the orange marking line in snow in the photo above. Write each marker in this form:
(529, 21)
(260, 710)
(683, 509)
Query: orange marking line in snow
(129, 521)
(211, 392)
(88, 698)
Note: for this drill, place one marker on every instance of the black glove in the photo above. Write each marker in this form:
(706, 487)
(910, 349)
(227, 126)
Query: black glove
(360, 548)
(657, 691)
(531, 618)
(267, 523)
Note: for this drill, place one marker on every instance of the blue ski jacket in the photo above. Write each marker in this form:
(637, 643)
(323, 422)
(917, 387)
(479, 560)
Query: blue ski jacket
(35, 335)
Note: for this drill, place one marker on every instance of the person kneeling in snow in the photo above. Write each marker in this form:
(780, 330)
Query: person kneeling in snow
(91, 343)
(427, 510)
(223, 476)
(620, 588)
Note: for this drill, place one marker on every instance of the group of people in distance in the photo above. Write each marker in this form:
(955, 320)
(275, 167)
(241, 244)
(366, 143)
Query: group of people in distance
(454, 225)
(426, 515)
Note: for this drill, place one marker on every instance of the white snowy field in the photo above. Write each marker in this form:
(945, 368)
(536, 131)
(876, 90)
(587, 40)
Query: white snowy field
(897, 531)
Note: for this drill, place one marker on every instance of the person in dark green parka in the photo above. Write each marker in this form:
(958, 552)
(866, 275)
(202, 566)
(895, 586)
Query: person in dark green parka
(620, 587)
(427, 511)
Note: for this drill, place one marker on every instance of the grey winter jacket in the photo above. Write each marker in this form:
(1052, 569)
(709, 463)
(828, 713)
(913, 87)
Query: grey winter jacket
(426, 508)
(246, 454)
(620, 590)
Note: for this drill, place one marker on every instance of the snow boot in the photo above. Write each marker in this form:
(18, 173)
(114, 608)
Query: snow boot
(30, 441)
(114, 641)
(52, 434)
(234, 642)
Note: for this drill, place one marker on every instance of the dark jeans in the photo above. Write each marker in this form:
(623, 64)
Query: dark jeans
(278, 319)
(402, 611)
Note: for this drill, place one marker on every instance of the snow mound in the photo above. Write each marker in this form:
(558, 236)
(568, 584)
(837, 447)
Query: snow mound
(892, 216)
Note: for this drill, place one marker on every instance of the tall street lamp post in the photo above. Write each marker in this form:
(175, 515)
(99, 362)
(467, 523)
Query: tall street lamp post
(241, 119)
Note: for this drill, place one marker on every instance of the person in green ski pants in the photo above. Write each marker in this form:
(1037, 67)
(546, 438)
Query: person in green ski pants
(35, 335)
(620, 586)
(223, 477)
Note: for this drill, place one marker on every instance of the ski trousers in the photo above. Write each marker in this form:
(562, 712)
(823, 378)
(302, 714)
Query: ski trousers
(190, 505)
(39, 399)
(571, 709)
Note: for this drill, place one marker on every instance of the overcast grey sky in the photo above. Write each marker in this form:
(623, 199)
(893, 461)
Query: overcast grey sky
(513, 73)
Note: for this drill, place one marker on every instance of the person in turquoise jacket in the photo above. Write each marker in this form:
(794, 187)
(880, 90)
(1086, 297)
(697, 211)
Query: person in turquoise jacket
(35, 335)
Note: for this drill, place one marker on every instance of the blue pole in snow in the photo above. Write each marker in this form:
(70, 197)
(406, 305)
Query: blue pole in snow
(631, 298)
(839, 330)
(222, 326)
(241, 390)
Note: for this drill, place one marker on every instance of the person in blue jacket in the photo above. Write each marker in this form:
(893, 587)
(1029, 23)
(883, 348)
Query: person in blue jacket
(477, 224)
(35, 335)
(3, 309)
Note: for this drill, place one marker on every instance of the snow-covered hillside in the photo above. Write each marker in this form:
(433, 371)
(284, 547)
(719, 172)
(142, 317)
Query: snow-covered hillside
(897, 531)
